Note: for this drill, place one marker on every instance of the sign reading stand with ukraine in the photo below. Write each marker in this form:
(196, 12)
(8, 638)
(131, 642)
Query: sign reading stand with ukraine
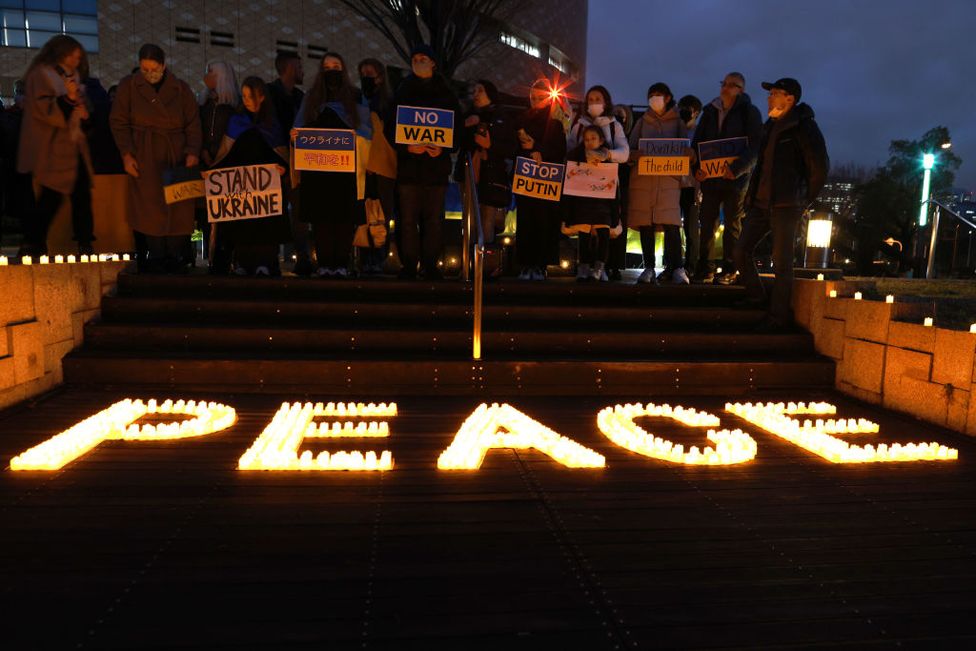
(424, 126)
(538, 180)
(325, 150)
(663, 157)
(717, 155)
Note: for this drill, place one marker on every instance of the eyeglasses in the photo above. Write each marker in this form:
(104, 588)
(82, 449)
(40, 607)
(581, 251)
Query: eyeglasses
(725, 84)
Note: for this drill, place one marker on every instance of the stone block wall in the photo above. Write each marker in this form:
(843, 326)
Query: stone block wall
(43, 312)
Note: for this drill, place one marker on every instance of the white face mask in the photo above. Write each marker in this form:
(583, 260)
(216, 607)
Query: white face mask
(656, 103)
(595, 110)
(776, 112)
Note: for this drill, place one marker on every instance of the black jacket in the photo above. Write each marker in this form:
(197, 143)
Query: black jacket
(285, 105)
(743, 119)
(494, 187)
(422, 169)
(547, 132)
(793, 166)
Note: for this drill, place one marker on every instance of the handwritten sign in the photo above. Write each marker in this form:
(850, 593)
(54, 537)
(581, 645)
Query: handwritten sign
(585, 180)
(182, 184)
(538, 180)
(424, 126)
(325, 150)
(717, 155)
(248, 192)
(663, 157)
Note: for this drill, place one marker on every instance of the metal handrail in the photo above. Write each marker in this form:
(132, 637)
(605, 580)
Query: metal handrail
(934, 236)
(472, 223)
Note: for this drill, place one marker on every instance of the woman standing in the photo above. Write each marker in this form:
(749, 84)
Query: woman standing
(330, 200)
(655, 200)
(219, 103)
(540, 137)
(53, 148)
(381, 164)
(156, 125)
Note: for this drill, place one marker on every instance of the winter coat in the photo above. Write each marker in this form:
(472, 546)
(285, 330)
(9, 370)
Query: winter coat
(213, 120)
(655, 199)
(51, 137)
(160, 129)
(742, 120)
(493, 165)
(793, 162)
(285, 103)
(105, 156)
(613, 133)
(547, 132)
(423, 169)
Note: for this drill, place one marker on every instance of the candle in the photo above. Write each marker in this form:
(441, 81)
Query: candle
(59, 259)
(44, 259)
(84, 258)
(125, 257)
(71, 258)
(3, 261)
(972, 328)
(820, 276)
(889, 299)
(833, 293)
(858, 296)
(929, 322)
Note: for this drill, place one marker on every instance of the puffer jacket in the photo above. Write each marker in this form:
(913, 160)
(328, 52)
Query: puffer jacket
(742, 120)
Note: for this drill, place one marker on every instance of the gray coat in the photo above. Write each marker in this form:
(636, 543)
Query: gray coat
(655, 199)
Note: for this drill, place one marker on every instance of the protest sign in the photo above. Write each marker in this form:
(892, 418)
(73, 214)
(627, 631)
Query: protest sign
(182, 184)
(663, 157)
(538, 180)
(424, 126)
(325, 150)
(247, 192)
(715, 155)
(597, 181)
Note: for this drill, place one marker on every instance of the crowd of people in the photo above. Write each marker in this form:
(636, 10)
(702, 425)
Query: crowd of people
(153, 127)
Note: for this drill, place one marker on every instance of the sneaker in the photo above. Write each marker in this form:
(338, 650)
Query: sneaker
(703, 277)
(240, 271)
(680, 276)
(647, 276)
(666, 275)
(262, 271)
(525, 274)
(582, 272)
(727, 278)
(341, 272)
(599, 274)
(537, 274)
(323, 272)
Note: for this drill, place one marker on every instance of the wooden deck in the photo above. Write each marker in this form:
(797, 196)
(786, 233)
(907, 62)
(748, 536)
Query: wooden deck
(167, 545)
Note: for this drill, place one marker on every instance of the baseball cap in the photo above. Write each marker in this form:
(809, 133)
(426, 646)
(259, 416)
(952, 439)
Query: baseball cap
(787, 85)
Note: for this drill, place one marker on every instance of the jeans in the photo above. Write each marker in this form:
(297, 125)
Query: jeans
(728, 197)
(689, 215)
(758, 223)
(420, 222)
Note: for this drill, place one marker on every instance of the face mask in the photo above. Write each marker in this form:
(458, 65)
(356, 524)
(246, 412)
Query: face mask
(369, 86)
(423, 70)
(153, 77)
(656, 103)
(780, 107)
(333, 78)
(595, 110)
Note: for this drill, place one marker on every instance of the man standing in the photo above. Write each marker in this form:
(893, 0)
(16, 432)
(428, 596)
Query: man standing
(730, 115)
(689, 110)
(790, 173)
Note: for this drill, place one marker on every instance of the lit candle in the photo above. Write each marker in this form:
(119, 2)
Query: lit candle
(71, 258)
(26, 260)
(929, 322)
(84, 258)
(59, 259)
(3, 261)
(833, 293)
(820, 276)
(858, 296)
(889, 299)
(125, 257)
(45, 260)
(972, 328)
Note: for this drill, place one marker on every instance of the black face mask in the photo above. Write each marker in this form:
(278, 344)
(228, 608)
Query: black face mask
(333, 79)
(685, 115)
(368, 85)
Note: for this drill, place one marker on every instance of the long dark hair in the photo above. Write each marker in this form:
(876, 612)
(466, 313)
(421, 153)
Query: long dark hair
(607, 102)
(57, 48)
(383, 100)
(319, 94)
(265, 115)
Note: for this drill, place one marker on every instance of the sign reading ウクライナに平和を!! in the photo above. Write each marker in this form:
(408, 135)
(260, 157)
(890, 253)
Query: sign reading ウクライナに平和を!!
(538, 180)
(715, 156)
(416, 125)
(663, 157)
(325, 150)
(277, 447)
(247, 192)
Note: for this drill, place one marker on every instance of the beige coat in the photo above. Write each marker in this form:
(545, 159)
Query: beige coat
(655, 199)
(160, 129)
(50, 143)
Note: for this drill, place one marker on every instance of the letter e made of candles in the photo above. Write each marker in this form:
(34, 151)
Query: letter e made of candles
(248, 192)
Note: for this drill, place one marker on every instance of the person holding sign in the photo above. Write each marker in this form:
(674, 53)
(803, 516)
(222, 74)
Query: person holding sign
(540, 137)
(790, 173)
(655, 200)
(254, 137)
(590, 217)
(156, 125)
(330, 200)
(730, 115)
(424, 165)
(689, 110)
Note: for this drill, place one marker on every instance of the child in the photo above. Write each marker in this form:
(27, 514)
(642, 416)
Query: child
(591, 218)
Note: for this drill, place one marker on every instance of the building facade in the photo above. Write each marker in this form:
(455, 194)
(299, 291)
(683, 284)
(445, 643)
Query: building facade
(536, 38)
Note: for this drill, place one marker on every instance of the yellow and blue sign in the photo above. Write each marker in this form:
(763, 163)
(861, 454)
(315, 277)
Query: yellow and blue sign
(538, 180)
(715, 156)
(663, 157)
(325, 150)
(424, 126)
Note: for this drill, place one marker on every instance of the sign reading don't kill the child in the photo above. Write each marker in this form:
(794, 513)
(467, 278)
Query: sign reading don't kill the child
(248, 192)
(663, 157)
(325, 150)
(424, 126)
(538, 180)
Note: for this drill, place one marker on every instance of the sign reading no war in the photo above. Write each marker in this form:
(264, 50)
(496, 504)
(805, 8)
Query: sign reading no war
(538, 180)
(717, 155)
(325, 150)
(248, 192)
(424, 126)
(663, 157)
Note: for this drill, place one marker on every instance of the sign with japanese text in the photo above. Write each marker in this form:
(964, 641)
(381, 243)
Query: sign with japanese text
(538, 180)
(248, 192)
(715, 156)
(598, 181)
(663, 157)
(424, 126)
(325, 150)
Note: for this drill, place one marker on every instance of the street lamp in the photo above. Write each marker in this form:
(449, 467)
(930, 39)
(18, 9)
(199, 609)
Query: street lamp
(928, 162)
(819, 229)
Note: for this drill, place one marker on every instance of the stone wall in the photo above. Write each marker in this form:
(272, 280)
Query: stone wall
(886, 356)
(43, 312)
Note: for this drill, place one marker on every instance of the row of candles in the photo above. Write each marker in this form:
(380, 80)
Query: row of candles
(277, 447)
(69, 259)
(731, 447)
(503, 426)
(817, 437)
(890, 299)
(117, 422)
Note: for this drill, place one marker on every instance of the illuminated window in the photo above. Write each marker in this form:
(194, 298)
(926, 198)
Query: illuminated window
(520, 44)
(32, 23)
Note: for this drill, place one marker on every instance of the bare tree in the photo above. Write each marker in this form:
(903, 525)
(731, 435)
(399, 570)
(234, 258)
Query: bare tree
(457, 29)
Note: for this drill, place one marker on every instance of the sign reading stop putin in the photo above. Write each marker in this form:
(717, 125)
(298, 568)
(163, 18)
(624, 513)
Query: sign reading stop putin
(538, 180)
(279, 446)
(416, 125)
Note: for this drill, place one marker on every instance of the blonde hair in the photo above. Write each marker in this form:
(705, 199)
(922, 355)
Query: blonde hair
(227, 90)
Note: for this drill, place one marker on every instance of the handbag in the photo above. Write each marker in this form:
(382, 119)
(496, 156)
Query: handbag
(372, 234)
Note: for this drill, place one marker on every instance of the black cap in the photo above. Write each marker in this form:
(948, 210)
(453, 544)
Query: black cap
(423, 48)
(786, 84)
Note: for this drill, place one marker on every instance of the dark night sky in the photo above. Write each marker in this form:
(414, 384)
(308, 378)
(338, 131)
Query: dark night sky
(873, 70)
